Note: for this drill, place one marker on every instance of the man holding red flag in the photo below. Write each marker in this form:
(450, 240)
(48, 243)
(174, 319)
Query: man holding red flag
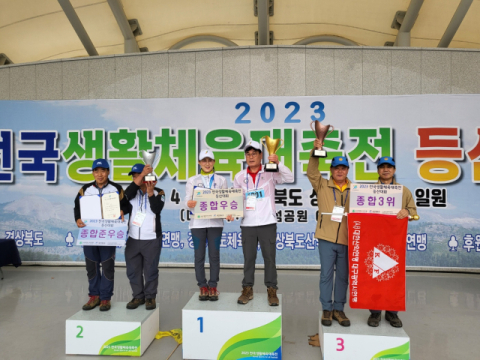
(386, 171)
(332, 235)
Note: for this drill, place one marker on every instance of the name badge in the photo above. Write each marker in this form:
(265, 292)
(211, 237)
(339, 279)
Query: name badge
(139, 219)
(258, 194)
(251, 202)
(338, 212)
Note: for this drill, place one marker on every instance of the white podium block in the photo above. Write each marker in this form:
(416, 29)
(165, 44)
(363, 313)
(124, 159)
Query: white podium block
(362, 342)
(225, 330)
(119, 331)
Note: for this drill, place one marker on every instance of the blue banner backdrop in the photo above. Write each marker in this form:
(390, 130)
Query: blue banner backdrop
(47, 148)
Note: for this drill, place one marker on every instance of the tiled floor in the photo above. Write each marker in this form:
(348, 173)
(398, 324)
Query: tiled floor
(442, 318)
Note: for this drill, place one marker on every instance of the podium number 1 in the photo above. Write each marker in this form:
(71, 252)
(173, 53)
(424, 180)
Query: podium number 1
(201, 324)
(340, 345)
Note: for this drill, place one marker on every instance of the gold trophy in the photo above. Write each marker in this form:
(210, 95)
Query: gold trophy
(149, 159)
(321, 132)
(272, 145)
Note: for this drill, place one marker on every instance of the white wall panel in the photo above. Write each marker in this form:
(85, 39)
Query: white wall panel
(248, 71)
(49, 81)
(291, 71)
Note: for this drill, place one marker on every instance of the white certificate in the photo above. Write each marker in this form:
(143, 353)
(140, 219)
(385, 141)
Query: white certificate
(90, 207)
(218, 203)
(103, 233)
(376, 198)
(111, 206)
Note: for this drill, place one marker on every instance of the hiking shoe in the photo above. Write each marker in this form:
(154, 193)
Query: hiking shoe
(203, 293)
(135, 303)
(105, 305)
(272, 296)
(92, 303)
(374, 319)
(150, 304)
(393, 319)
(341, 318)
(327, 318)
(213, 294)
(247, 295)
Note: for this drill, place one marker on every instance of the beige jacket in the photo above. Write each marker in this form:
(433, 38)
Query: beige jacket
(326, 228)
(407, 199)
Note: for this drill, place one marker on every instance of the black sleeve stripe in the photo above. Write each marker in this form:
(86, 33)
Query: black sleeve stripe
(160, 191)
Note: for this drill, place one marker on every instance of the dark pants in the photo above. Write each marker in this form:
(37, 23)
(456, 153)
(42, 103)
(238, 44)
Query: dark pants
(333, 256)
(380, 311)
(100, 283)
(201, 237)
(266, 235)
(142, 258)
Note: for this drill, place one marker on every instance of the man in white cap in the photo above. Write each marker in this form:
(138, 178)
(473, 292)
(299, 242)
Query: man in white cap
(259, 223)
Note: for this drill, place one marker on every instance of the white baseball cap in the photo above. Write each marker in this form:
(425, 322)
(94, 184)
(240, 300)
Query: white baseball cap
(253, 145)
(205, 154)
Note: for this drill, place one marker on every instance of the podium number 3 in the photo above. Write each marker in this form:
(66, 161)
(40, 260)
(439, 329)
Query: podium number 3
(201, 324)
(340, 345)
(79, 335)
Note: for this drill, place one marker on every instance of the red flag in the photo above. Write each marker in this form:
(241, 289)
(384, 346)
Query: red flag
(377, 251)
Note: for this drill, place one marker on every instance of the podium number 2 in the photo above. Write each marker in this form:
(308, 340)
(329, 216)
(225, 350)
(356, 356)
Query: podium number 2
(340, 345)
(201, 324)
(79, 335)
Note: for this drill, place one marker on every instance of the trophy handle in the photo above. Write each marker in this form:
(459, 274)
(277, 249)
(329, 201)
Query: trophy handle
(311, 126)
(263, 142)
(330, 131)
(283, 142)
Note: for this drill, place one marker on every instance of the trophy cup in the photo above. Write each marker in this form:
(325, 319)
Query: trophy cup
(321, 132)
(149, 159)
(272, 145)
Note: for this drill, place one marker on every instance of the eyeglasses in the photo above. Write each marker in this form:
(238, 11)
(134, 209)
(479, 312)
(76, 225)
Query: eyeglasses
(251, 154)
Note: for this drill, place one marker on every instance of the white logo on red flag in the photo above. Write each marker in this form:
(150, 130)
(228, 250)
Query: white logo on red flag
(382, 262)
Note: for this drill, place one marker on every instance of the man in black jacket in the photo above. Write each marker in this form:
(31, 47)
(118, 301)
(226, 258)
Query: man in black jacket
(144, 243)
(100, 283)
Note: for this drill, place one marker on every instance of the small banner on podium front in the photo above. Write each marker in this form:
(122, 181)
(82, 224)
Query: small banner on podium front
(377, 250)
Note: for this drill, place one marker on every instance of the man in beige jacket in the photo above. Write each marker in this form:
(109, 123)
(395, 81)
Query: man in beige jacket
(386, 171)
(332, 235)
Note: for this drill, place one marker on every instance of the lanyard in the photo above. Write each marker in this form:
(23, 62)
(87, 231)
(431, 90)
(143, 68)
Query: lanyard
(335, 197)
(211, 181)
(140, 201)
(100, 189)
(258, 180)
